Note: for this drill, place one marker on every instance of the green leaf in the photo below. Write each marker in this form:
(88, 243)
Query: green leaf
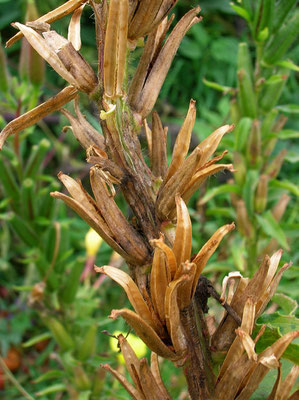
(288, 64)
(241, 11)
(290, 186)
(37, 339)
(271, 227)
(272, 334)
(289, 108)
(227, 188)
(284, 323)
(288, 134)
(274, 79)
(288, 305)
(55, 373)
(249, 190)
(52, 389)
(217, 86)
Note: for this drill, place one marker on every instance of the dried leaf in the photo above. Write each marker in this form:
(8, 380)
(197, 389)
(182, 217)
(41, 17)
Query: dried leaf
(74, 30)
(247, 343)
(176, 185)
(268, 357)
(210, 144)
(123, 231)
(115, 47)
(208, 249)
(160, 277)
(59, 12)
(170, 257)
(37, 113)
(172, 316)
(132, 291)
(183, 234)
(146, 333)
(95, 222)
(44, 50)
(131, 360)
(159, 151)
(156, 76)
(124, 382)
(148, 383)
(182, 142)
(156, 373)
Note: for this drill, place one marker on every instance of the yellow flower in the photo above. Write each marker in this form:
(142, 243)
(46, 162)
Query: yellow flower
(137, 344)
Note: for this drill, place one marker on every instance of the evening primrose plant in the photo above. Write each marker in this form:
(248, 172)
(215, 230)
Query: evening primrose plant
(259, 196)
(164, 285)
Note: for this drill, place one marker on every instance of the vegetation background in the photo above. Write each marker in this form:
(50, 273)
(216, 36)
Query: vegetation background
(43, 244)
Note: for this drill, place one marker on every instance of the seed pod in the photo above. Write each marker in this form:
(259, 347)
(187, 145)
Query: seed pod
(136, 395)
(208, 249)
(28, 199)
(182, 142)
(261, 194)
(279, 208)
(34, 164)
(145, 332)
(159, 150)
(9, 182)
(59, 12)
(263, 16)
(4, 76)
(246, 95)
(88, 345)
(282, 40)
(172, 316)
(83, 75)
(69, 291)
(272, 92)
(255, 144)
(241, 132)
(183, 234)
(239, 168)
(31, 64)
(74, 34)
(160, 277)
(115, 47)
(60, 334)
(244, 60)
(284, 7)
(81, 379)
(133, 293)
(38, 113)
(274, 167)
(170, 257)
(144, 102)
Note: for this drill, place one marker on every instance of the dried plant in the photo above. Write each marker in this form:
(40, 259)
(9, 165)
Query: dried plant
(165, 285)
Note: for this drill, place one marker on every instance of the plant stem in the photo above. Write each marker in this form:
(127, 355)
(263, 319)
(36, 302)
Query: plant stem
(198, 371)
(14, 381)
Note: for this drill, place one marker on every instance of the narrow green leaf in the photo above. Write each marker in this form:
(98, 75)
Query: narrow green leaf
(290, 186)
(37, 339)
(54, 374)
(241, 11)
(289, 108)
(272, 228)
(227, 188)
(217, 86)
(288, 305)
(288, 134)
(52, 389)
(249, 190)
(241, 133)
(272, 334)
(288, 64)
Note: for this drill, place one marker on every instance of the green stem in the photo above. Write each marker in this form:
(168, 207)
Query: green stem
(14, 381)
